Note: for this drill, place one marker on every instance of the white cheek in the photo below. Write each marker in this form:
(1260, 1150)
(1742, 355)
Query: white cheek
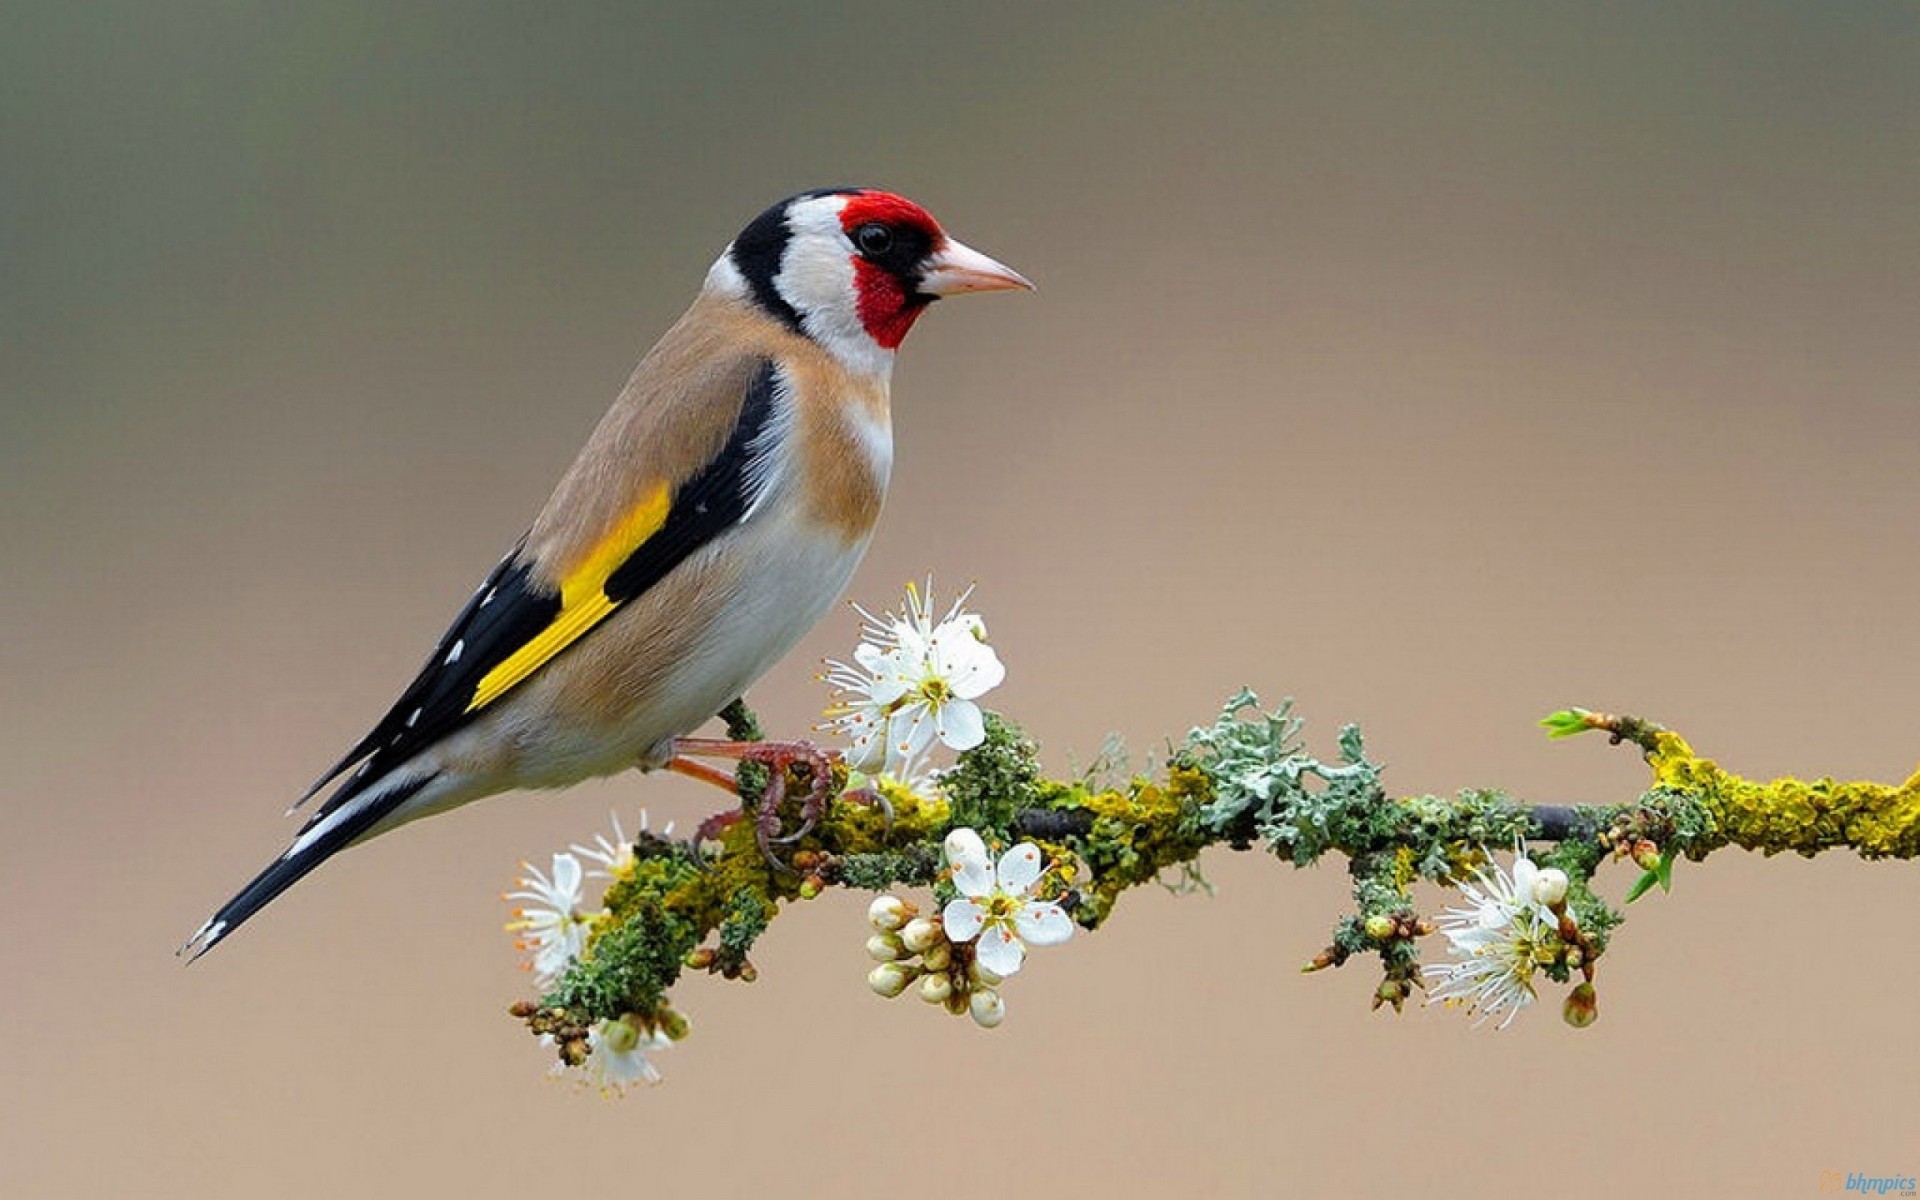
(817, 278)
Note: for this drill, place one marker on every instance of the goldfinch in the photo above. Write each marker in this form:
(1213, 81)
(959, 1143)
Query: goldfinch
(713, 516)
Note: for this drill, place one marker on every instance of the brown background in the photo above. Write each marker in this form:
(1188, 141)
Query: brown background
(1437, 366)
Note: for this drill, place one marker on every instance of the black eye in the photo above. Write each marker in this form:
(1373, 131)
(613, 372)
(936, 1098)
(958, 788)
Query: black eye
(873, 238)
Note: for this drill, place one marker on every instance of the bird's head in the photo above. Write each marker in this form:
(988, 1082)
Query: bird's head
(852, 269)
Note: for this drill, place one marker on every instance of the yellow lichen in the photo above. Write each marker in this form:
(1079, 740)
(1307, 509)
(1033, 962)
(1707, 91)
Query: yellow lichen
(1876, 820)
(1137, 833)
(1406, 868)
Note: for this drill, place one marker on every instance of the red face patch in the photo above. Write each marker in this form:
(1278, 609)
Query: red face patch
(885, 301)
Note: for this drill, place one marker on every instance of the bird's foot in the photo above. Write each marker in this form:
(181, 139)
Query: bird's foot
(873, 798)
(779, 758)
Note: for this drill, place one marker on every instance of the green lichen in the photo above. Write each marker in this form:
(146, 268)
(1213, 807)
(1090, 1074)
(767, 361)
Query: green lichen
(748, 916)
(1445, 835)
(750, 778)
(914, 866)
(633, 963)
(995, 780)
(1265, 785)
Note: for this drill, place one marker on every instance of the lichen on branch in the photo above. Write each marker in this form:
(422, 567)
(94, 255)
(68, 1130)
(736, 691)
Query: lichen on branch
(1069, 849)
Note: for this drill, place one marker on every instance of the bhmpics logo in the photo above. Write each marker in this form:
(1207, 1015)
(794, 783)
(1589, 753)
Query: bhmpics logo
(1836, 1183)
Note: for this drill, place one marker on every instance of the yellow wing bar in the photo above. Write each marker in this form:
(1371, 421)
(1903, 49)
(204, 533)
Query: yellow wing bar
(584, 602)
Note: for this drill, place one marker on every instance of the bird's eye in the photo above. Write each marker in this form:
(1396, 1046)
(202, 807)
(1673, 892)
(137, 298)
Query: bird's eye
(873, 238)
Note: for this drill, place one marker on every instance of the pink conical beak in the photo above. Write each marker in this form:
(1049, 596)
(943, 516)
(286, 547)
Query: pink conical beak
(956, 268)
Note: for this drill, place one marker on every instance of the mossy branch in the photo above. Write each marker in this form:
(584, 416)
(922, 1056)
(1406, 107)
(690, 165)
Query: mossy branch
(1244, 781)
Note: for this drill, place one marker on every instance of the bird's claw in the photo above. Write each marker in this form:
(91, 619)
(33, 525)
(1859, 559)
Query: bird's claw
(779, 758)
(873, 798)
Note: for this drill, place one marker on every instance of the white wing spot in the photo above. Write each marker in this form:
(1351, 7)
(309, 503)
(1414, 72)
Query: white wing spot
(488, 598)
(413, 717)
(453, 655)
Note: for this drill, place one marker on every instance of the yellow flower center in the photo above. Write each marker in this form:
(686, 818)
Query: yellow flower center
(1000, 908)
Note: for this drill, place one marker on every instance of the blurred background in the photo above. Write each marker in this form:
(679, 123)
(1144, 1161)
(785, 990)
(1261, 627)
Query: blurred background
(1438, 366)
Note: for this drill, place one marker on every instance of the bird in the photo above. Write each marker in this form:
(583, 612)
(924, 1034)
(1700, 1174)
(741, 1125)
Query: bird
(714, 515)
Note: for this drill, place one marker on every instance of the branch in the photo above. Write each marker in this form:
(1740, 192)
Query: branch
(1244, 781)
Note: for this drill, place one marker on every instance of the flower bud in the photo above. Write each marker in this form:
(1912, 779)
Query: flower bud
(885, 947)
(888, 913)
(1550, 887)
(986, 1008)
(935, 989)
(620, 1036)
(674, 1025)
(1380, 927)
(920, 934)
(1582, 1007)
(958, 843)
(983, 977)
(890, 979)
(1646, 855)
(939, 958)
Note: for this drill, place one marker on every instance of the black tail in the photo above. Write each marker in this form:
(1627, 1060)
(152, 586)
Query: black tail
(326, 835)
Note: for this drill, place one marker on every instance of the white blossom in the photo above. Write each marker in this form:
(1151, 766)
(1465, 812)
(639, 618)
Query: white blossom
(913, 681)
(996, 903)
(1497, 940)
(617, 1057)
(550, 924)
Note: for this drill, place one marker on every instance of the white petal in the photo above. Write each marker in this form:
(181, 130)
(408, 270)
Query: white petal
(1000, 952)
(976, 673)
(890, 678)
(1043, 923)
(1020, 869)
(566, 876)
(962, 919)
(868, 752)
(905, 769)
(865, 731)
(910, 731)
(954, 643)
(972, 870)
(962, 656)
(911, 639)
(1524, 873)
(960, 725)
